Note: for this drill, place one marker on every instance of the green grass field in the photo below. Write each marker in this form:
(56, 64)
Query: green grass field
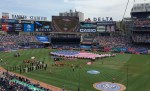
(136, 76)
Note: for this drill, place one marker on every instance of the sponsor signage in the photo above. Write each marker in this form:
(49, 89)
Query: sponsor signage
(101, 28)
(42, 39)
(102, 19)
(88, 30)
(106, 23)
(28, 27)
(9, 21)
(24, 17)
(26, 21)
(7, 27)
(87, 24)
(18, 27)
(4, 27)
(42, 26)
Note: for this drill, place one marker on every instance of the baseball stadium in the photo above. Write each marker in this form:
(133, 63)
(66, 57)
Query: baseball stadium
(66, 54)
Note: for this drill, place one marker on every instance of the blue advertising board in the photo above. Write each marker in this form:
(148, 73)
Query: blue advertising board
(28, 27)
(43, 39)
(9, 21)
(42, 26)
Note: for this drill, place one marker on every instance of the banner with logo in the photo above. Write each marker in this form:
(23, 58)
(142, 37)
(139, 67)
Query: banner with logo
(43, 39)
(88, 30)
(28, 27)
(88, 25)
(7, 27)
(101, 28)
(42, 26)
(9, 21)
(18, 27)
(26, 21)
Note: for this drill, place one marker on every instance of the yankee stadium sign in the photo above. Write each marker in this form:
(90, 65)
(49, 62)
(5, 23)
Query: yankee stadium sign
(24, 17)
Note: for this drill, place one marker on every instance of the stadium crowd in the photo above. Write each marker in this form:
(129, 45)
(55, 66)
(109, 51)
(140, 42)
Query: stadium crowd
(145, 37)
(15, 42)
(8, 42)
(18, 38)
(12, 82)
(142, 23)
(112, 41)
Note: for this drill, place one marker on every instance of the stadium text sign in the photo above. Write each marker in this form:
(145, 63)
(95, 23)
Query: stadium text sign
(103, 19)
(87, 30)
(24, 17)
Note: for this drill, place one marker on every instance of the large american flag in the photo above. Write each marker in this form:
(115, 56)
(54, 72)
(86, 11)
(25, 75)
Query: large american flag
(77, 54)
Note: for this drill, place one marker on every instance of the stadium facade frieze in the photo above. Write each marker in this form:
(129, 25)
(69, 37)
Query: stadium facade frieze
(6, 15)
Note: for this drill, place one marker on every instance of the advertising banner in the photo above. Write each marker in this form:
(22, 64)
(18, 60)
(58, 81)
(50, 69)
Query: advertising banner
(26, 21)
(43, 39)
(43, 26)
(28, 27)
(18, 27)
(7, 27)
(88, 25)
(88, 30)
(101, 28)
(9, 21)
(105, 23)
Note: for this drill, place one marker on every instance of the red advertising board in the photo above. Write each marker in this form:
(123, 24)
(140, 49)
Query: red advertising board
(5, 27)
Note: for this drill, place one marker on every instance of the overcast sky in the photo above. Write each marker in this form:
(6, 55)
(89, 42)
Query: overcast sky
(48, 8)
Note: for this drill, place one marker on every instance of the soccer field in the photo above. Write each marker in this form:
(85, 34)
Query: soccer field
(131, 70)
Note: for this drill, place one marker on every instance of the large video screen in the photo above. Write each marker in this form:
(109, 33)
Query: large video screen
(65, 24)
(42, 26)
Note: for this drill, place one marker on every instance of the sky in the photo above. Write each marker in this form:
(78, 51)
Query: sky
(49, 8)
